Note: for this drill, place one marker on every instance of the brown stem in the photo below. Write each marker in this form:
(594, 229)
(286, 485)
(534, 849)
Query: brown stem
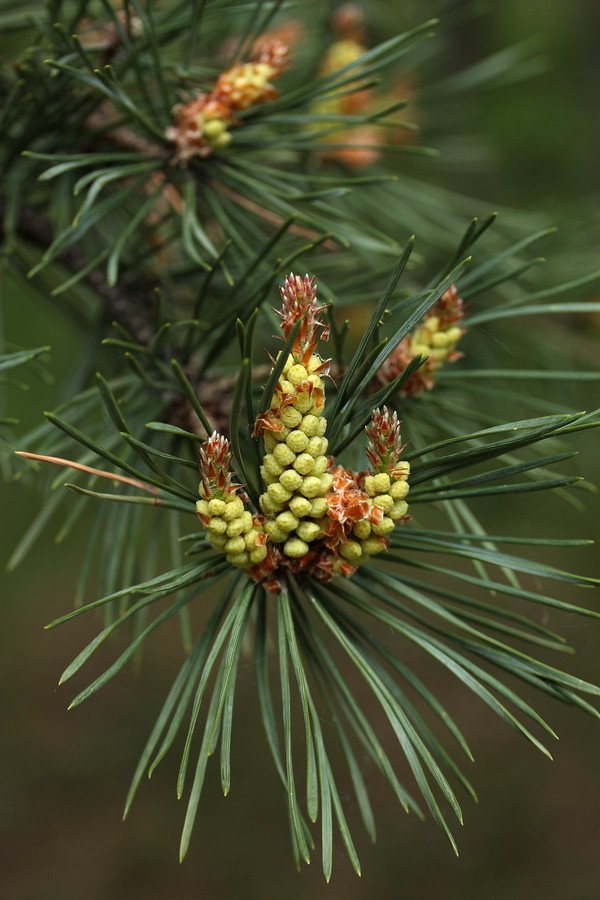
(71, 464)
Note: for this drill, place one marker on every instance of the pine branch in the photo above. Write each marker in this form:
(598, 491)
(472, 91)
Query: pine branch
(207, 149)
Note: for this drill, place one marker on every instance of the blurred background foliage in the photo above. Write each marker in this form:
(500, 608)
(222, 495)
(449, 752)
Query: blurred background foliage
(64, 775)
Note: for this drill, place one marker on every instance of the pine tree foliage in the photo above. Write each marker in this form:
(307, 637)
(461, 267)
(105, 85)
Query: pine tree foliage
(165, 166)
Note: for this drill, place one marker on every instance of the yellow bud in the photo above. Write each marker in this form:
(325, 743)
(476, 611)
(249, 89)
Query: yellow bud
(300, 506)
(202, 506)
(385, 526)
(377, 484)
(276, 534)
(258, 554)
(233, 509)
(362, 529)
(250, 538)
(440, 339)
(304, 464)
(384, 501)
(216, 507)
(297, 374)
(278, 493)
(351, 550)
(268, 479)
(280, 436)
(317, 446)
(308, 531)
(454, 334)
(270, 441)
(372, 546)
(288, 363)
(217, 525)
(382, 482)
(240, 560)
(297, 441)
(314, 363)
(418, 348)
(303, 402)
(432, 323)
(322, 426)
(399, 490)
(213, 128)
(326, 481)
(246, 517)
(369, 486)
(398, 510)
(285, 386)
(309, 425)
(311, 487)
(286, 521)
(284, 455)
(290, 479)
(295, 548)
(318, 507)
(321, 463)
(235, 545)
(220, 141)
(267, 505)
(290, 417)
(236, 526)
(271, 465)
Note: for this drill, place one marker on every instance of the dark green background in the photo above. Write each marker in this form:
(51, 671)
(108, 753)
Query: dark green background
(63, 775)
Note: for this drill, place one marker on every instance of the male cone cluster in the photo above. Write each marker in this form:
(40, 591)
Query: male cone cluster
(295, 465)
(202, 125)
(435, 339)
(230, 526)
(316, 518)
(366, 507)
(439, 334)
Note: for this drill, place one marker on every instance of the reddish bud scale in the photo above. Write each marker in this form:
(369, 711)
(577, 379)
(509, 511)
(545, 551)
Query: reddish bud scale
(267, 421)
(384, 449)
(275, 53)
(449, 308)
(265, 571)
(215, 459)
(299, 296)
(346, 502)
